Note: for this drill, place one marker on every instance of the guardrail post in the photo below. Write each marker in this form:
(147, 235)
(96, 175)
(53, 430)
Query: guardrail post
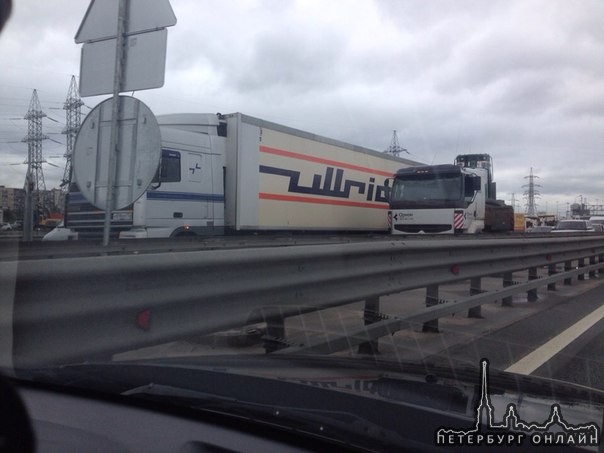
(568, 266)
(508, 280)
(531, 294)
(601, 260)
(275, 330)
(370, 315)
(431, 300)
(581, 277)
(551, 270)
(592, 260)
(475, 288)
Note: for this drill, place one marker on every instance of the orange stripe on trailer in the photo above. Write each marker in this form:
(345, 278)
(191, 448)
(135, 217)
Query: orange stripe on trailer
(298, 199)
(294, 155)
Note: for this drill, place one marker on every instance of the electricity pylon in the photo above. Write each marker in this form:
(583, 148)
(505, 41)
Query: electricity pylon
(531, 194)
(73, 112)
(35, 175)
(395, 148)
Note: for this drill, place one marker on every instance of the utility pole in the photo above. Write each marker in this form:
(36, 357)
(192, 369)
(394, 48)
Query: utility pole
(35, 187)
(115, 114)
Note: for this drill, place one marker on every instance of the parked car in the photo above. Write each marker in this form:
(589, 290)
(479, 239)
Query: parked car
(540, 229)
(597, 222)
(573, 226)
(6, 227)
(60, 233)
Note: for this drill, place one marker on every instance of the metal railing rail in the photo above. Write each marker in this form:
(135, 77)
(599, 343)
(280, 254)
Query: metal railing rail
(69, 310)
(391, 325)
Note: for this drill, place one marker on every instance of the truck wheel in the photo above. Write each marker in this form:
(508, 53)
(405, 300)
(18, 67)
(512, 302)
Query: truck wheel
(185, 234)
(182, 233)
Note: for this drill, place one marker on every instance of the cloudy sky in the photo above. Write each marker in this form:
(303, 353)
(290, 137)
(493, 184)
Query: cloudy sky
(522, 80)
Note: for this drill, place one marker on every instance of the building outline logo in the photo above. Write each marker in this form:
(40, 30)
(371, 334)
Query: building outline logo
(513, 430)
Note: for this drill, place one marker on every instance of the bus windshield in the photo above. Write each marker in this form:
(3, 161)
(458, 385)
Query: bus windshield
(427, 188)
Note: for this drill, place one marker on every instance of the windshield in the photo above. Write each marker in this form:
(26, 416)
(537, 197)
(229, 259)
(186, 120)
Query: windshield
(427, 188)
(571, 225)
(301, 221)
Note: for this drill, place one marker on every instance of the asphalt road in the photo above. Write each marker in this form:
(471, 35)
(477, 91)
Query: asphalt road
(551, 340)
(586, 365)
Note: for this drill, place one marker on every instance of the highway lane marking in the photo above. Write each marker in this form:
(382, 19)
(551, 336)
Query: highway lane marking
(529, 363)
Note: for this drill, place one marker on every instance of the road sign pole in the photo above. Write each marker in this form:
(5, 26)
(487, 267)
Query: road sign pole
(138, 64)
(28, 214)
(115, 114)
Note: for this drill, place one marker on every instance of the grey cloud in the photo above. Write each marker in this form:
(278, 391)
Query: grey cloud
(295, 60)
(521, 80)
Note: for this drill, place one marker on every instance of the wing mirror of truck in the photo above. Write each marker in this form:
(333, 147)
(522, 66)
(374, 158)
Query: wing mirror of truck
(156, 181)
(387, 188)
(155, 184)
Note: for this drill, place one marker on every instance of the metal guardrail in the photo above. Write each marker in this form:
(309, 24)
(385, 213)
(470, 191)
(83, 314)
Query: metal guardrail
(69, 310)
(13, 249)
(365, 335)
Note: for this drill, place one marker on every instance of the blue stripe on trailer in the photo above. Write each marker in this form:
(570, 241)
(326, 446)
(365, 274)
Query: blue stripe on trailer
(185, 196)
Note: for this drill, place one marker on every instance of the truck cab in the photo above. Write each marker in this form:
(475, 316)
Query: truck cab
(185, 197)
(447, 199)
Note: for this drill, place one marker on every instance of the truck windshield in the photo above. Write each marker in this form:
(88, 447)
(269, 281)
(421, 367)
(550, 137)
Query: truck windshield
(571, 225)
(427, 187)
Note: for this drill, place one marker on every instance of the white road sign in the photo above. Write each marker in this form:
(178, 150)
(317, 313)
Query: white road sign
(100, 20)
(144, 64)
(144, 51)
(139, 148)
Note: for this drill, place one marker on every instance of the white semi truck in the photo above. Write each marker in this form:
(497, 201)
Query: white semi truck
(221, 173)
(448, 199)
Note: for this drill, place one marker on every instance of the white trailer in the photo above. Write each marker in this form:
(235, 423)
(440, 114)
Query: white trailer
(221, 173)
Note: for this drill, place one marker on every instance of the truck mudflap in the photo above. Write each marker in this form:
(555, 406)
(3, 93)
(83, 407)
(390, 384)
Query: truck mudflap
(459, 220)
(427, 221)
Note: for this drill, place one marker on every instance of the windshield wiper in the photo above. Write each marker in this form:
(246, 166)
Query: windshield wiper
(345, 428)
(372, 408)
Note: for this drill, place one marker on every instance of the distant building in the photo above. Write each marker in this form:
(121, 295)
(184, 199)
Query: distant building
(56, 199)
(13, 200)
